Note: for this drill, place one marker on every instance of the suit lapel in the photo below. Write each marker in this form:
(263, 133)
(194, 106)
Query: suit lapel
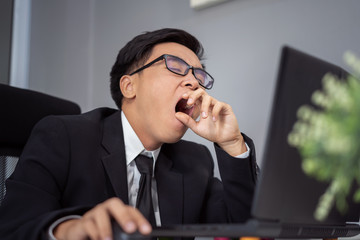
(114, 159)
(170, 191)
(169, 182)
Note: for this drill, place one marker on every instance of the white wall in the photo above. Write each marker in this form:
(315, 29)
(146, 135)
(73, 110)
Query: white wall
(61, 49)
(74, 44)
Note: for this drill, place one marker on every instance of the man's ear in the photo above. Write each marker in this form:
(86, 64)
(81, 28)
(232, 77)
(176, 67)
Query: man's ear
(127, 86)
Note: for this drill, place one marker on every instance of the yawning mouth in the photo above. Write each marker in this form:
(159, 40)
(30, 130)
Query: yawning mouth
(182, 106)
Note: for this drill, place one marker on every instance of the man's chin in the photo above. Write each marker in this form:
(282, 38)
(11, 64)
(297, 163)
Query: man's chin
(179, 134)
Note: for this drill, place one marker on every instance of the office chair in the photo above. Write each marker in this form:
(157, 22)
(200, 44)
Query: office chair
(20, 110)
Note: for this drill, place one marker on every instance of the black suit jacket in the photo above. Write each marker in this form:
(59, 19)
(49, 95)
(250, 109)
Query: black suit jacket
(72, 163)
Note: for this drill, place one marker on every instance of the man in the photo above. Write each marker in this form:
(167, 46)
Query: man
(79, 172)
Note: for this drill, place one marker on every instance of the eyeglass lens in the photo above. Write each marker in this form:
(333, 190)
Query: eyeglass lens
(180, 67)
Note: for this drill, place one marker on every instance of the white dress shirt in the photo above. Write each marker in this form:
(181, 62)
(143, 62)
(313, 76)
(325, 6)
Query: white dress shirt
(134, 147)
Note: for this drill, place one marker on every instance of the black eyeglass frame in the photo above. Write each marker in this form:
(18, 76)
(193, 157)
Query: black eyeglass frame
(164, 56)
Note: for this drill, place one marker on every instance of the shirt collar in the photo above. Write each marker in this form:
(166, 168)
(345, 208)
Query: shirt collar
(133, 145)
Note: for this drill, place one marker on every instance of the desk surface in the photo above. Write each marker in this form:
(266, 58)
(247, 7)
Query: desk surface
(250, 228)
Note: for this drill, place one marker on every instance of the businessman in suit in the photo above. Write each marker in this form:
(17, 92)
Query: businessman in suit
(77, 173)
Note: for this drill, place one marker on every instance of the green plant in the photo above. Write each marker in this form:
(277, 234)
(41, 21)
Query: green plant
(327, 137)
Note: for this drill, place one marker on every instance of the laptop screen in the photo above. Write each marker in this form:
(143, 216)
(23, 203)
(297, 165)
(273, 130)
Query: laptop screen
(284, 192)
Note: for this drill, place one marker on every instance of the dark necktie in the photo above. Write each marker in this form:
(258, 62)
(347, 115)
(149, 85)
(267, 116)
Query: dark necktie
(144, 199)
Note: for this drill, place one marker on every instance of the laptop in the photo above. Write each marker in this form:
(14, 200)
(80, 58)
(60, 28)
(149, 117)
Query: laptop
(285, 197)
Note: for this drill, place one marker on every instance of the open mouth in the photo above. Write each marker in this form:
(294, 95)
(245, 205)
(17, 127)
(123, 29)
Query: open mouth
(182, 106)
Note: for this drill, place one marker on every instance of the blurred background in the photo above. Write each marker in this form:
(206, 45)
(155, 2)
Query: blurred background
(66, 48)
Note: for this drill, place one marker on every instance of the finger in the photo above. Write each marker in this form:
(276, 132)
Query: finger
(141, 222)
(90, 228)
(96, 222)
(217, 109)
(205, 105)
(103, 223)
(120, 212)
(186, 120)
(193, 96)
(130, 220)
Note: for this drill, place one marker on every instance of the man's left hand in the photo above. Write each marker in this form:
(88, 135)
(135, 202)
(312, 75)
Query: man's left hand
(217, 122)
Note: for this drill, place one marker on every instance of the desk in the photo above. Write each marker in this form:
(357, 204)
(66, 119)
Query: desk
(256, 238)
(233, 231)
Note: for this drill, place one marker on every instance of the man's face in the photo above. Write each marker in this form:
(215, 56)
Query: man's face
(159, 95)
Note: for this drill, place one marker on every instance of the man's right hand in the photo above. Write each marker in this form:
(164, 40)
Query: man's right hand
(96, 223)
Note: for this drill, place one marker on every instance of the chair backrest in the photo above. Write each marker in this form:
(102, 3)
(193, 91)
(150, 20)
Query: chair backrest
(20, 110)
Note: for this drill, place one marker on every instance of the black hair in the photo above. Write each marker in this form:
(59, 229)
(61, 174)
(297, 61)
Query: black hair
(138, 50)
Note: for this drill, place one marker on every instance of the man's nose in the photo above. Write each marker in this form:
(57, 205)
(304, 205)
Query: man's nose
(190, 81)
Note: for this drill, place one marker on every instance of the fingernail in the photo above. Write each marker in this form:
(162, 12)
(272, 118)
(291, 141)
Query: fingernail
(204, 115)
(129, 226)
(185, 95)
(145, 228)
(108, 238)
(190, 101)
(214, 119)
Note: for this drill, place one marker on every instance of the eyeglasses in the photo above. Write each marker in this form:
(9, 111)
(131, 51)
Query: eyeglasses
(180, 67)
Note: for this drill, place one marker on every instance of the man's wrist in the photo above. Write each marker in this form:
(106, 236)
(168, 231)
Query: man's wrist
(52, 227)
(245, 154)
(235, 147)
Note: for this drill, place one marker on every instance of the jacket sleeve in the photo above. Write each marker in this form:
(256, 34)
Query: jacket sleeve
(33, 199)
(231, 199)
